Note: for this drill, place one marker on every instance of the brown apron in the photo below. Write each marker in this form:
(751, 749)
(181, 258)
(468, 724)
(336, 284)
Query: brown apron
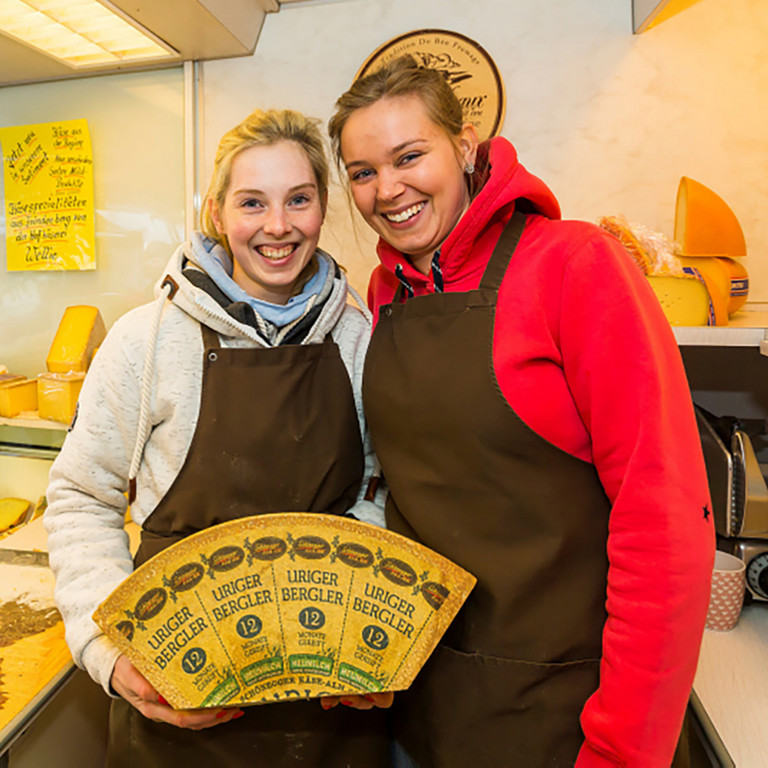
(277, 431)
(470, 480)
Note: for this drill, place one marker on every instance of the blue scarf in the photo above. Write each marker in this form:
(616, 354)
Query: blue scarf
(216, 262)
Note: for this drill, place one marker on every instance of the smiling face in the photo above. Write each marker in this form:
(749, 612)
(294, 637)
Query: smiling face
(406, 174)
(271, 217)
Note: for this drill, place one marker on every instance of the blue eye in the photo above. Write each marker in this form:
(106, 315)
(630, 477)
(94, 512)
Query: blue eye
(361, 175)
(251, 202)
(408, 157)
(302, 199)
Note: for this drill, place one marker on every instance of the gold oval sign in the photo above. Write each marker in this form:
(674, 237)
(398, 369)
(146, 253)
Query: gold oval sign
(465, 64)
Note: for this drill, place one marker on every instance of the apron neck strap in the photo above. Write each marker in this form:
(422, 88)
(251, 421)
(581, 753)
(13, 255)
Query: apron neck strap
(210, 337)
(502, 253)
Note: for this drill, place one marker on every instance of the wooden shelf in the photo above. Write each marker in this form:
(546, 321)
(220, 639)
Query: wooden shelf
(30, 420)
(29, 435)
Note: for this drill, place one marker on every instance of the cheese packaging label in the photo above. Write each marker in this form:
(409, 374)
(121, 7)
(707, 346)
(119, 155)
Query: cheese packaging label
(284, 606)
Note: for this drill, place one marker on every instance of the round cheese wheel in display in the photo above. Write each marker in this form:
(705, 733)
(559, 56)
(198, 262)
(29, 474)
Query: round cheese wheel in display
(739, 284)
(284, 606)
(717, 279)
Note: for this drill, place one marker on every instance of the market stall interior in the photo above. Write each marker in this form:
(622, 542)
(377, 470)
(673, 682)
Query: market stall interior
(635, 146)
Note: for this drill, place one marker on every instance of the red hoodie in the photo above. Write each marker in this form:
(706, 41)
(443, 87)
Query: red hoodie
(597, 372)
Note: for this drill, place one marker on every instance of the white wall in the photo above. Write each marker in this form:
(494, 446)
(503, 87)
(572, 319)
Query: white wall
(609, 120)
(137, 137)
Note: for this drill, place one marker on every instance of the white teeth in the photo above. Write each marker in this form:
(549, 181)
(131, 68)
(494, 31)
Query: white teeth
(404, 215)
(275, 254)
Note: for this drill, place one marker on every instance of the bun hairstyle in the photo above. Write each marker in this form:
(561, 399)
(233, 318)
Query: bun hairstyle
(262, 128)
(400, 77)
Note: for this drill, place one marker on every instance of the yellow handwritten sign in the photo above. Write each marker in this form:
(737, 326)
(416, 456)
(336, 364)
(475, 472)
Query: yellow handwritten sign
(48, 175)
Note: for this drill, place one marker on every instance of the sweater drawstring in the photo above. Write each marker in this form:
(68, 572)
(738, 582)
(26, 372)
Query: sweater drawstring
(437, 272)
(142, 432)
(360, 303)
(407, 287)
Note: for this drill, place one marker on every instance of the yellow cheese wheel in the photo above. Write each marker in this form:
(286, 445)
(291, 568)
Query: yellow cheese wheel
(684, 300)
(739, 284)
(57, 395)
(704, 224)
(716, 277)
(718, 287)
(284, 606)
(12, 511)
(18, 396)
(80, 331)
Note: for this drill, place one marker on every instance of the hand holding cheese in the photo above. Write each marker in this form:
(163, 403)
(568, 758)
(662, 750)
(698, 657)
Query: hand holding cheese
(284, 606)
(138, 691)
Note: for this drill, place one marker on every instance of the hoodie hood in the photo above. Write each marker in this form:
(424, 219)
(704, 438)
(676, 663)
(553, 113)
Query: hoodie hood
(505, 181)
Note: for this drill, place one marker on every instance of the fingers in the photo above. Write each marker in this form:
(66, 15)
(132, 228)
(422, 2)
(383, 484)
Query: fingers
(129, 683)
(363, 701)
(193, 719)
(382, 700)
(329, 702)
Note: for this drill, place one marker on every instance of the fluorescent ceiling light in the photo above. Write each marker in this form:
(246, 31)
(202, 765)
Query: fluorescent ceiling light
(80, 33)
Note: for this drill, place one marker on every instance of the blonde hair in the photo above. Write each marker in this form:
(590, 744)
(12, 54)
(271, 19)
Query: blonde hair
(262, 128)
(400, 77)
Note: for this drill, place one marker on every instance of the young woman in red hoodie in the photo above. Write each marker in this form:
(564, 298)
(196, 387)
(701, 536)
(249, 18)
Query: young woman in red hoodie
(531, 414)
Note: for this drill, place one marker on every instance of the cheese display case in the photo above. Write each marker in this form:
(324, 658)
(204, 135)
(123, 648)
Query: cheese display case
(43, 698)
(41, 694)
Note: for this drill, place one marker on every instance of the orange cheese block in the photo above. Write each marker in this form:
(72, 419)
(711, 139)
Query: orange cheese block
(80, 332)
(284, 606)
(18, 396)
(704, 224)
(57, 395)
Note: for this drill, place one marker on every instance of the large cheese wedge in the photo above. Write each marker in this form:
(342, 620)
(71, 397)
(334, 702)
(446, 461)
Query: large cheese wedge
(684, 300)
(704, 224)
(739, 284)
(18, 396)
(57, 395)
(284, 606)
(80, 331)
(12, 512)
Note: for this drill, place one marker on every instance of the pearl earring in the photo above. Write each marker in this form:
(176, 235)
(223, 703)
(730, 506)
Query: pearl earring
(469, 169)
